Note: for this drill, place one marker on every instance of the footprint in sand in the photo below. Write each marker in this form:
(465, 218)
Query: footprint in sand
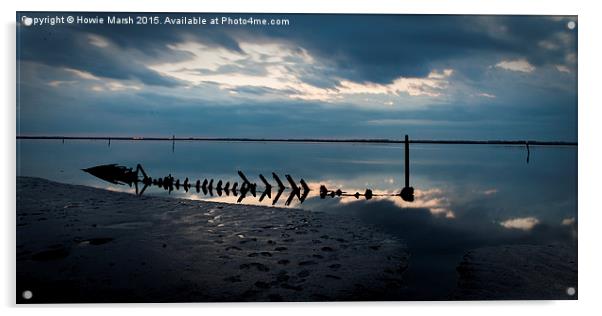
(282, 276)
(284, 261)
(257, 265)
(98, 241)
(263, 253)
(307, 263)
(280, 248)
(247, 240)
(303, 274)
(334, 266)
(232, 248)
(291, 287)
(333, 276)
(327, 249)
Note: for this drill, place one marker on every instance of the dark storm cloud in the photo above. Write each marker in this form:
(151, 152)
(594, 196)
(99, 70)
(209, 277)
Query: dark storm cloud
(377, 48)
(68, 46)
(528, 32)
(380, 48)
(64, 47)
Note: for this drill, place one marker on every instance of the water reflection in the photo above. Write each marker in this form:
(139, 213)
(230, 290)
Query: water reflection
(492, 182)
(439, 239)
(121, 175)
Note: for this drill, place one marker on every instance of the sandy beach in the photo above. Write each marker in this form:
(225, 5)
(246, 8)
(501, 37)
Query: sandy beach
(82, 244)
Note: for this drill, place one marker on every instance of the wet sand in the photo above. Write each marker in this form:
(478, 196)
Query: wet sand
(518, 272)
(82, 244)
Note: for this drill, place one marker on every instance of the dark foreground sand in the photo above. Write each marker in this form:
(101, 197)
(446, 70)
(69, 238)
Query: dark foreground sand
(81, 244)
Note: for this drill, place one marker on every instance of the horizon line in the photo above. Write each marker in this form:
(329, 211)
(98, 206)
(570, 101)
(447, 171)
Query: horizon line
(309, 140)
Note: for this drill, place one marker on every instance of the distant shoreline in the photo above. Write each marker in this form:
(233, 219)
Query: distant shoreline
(310, 140)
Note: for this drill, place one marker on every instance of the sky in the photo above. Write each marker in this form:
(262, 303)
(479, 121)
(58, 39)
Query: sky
(321, 76)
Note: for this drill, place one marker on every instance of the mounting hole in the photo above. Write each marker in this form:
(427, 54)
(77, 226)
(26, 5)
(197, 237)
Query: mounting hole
(571, 25)
(571, 291)
(27, 21)
(27, 294)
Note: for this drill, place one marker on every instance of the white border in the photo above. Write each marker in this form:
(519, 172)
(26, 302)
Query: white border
(589, 167)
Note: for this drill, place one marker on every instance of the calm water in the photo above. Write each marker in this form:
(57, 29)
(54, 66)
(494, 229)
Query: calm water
(467, 196)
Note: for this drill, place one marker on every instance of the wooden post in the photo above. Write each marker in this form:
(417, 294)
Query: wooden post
(173, 143)
(407, 192)
(407, 162)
